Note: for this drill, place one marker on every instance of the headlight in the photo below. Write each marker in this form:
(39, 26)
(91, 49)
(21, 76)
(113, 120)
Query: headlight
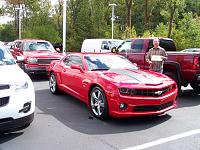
(21, 85)
(32, 60)
(127, 91)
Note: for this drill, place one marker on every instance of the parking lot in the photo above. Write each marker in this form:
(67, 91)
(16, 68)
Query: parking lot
(62, 122)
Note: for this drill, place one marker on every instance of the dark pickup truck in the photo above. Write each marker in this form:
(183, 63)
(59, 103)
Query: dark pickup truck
(183, 67)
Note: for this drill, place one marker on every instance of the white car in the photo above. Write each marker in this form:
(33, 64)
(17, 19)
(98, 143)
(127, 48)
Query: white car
(17, 95)
(100, 45)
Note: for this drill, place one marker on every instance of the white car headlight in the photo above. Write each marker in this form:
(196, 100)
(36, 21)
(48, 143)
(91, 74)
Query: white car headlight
(21, 85)
(32, 60)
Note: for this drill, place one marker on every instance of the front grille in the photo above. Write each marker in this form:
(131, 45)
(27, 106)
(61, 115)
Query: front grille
(146, 92)
(6, 120)
(4, 86)
(153, 107)
(4, 101)
(46, 60)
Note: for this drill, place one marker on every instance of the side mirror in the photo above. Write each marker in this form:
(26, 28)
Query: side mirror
(58, 50)
(12, 47)
(20, 59)
(76, 66)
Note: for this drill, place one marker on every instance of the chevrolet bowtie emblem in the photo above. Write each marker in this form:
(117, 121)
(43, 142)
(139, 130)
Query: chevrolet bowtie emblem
(158, 92)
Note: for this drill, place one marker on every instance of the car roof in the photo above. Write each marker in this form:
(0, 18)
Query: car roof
(26, 40)
(90, 53)
(190, 49)
(147, 38)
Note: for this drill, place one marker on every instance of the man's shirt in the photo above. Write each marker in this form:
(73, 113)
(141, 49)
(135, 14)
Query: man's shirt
(154, 56)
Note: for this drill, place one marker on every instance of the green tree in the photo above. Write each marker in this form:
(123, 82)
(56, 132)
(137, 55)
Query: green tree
(173, 7)
(7, 33)
(187, 33)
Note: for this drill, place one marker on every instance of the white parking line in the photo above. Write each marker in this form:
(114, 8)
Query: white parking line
(164, 140)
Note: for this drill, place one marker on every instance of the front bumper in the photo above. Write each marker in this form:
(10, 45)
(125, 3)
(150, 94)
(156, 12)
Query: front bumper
(36, 69)
(16, 107)
(11, 125)
(142, 106)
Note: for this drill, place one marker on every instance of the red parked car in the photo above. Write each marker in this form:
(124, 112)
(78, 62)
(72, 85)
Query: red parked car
(111, 85)
(36, 54)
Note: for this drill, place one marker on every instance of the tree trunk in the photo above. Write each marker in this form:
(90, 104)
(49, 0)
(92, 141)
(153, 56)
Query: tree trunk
(59, 18)
(146, 14)
(173, 8)
(128, 17)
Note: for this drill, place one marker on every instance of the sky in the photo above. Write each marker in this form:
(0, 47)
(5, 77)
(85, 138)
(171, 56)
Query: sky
(5, 19)
(53, 2)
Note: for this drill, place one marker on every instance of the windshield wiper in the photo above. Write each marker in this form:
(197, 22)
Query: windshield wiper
(100, 69)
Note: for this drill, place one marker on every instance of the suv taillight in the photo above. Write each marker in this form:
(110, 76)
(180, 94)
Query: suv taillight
(196, 62)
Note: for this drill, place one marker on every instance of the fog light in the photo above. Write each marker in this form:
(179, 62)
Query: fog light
(123, 106)
(26, 108)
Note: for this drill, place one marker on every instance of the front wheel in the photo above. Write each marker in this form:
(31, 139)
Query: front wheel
(98, 103)
(195, 86)
(53, 84)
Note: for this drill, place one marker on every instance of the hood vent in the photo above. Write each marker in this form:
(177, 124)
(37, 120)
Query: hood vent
(151, 84)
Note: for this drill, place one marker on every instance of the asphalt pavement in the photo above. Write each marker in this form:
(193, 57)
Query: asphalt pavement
(64, 123)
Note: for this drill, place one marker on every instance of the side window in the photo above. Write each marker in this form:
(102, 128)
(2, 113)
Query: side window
(124, 47)
(68, 61)
(168, 45)
(105, 45)
(150, 44)
(137, 45)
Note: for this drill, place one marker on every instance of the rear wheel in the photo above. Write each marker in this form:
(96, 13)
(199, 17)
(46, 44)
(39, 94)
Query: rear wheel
(98, 103)
(195, 86)
(113, 49)
(53, 84)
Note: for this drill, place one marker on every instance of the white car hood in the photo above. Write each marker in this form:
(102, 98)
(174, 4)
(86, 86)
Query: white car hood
(12, 74)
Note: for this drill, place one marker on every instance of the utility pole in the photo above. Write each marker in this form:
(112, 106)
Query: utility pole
(113, 17)
(19, 21)
(64, 25)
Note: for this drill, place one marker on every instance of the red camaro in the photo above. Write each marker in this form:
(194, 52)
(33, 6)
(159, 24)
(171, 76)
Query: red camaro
(110, 85)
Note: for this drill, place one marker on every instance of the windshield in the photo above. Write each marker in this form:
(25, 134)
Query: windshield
(105, 62)
(5, 56)
(38, 46)
(115, 43)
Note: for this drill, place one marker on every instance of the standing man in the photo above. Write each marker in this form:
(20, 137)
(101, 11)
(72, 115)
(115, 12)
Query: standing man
(156, 57)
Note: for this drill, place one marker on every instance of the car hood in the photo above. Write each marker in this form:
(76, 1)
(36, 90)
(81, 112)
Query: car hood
(12, 74)
(134, 76)
(43, 54)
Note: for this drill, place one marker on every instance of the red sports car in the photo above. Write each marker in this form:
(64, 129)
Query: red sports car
(110, 85)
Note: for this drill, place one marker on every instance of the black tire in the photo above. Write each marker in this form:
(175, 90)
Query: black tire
(114, 50)
(195, 86)
(53, 84)
(175, 78)
(98, 103)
